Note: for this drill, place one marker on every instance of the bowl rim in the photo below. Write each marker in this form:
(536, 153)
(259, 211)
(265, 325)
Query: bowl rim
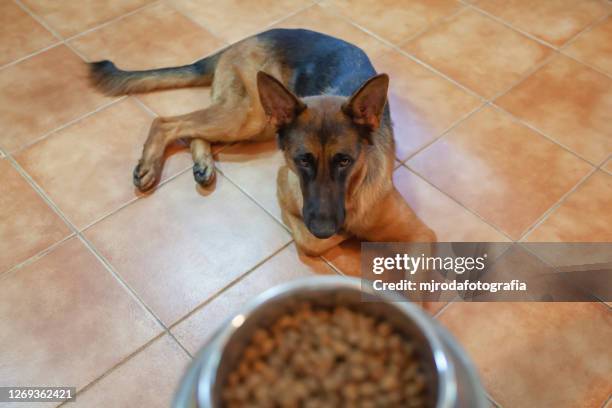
(446, 373)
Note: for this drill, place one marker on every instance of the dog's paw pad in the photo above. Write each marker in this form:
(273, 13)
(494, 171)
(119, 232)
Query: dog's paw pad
(144, 177)
(203, 174)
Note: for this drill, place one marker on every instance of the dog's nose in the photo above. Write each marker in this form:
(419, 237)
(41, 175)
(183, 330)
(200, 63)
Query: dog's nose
(323, 227)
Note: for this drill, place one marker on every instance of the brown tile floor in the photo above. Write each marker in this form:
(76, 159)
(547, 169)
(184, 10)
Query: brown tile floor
(503, 115)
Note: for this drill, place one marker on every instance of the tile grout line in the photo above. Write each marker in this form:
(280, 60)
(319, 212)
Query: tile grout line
(4, 274)
(211, 32)
(492, 400)
(525, 76)
(229, 285)
(588, 65)
(101, 258)
(30, 180)
(112, 20)
(559, 49)
(604, 163)
(39, 20)
(486, 102)
(531, 71)
(158, 186)
(337, 270)
(431, 25)
(331, 265)
(180, 173)
(540, 220)
(188, 17)
(89, 246)
(134, 200)
(371, 34)
(495, 227)
(408, 55)
(541, 133)
(594, 298)
(589, 28)
(455, 299)
(115, 367)
(492, 104)
(512, 27)
(456, 124)
(586, 29)
(33, 54)
(253, 200)
(434, 24)
(288, 16)
(67, 124)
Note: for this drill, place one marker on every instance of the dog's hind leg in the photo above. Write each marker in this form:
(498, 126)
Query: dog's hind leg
(210, 124)
(228, 122)
(235, 115)
(203, 163)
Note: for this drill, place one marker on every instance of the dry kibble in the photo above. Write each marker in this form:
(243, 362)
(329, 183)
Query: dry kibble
(323, 358)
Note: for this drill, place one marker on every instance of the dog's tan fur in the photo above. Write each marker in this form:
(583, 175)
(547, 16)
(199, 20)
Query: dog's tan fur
(375, 210)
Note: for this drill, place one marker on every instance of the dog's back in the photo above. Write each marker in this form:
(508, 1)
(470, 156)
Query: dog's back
(320, 64)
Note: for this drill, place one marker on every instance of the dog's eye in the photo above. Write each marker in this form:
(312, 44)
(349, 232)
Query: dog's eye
(304, 161)
(344, 161)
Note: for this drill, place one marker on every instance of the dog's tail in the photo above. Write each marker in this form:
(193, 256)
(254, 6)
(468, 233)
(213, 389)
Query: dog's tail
(111, 80)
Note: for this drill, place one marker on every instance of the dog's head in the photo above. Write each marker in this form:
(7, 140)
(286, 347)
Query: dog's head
(323, 139)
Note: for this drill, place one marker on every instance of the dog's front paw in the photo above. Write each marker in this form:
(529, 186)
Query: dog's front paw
(204, 174)
(146, 175)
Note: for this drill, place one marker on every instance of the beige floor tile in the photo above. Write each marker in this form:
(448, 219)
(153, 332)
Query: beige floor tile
(346, 258)
(320, 19)
(253, 167)
(608, 166)
(149, 379)
(27, 224)
(552, 21)
(585, 215)
(395, 21)
(158, 37)
(180, 245)
(570, 103)
(235, 19)
(87, 168)
(285, 266)
(478, 52)
(423, 104)
(70, 17)
(535, 354)
(594, 47)
(502, 170)
(450, 221)
(66, 320)
(42, 93)
(20, 34)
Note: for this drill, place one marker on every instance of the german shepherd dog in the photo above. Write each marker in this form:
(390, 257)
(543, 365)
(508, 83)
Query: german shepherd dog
(323, 99)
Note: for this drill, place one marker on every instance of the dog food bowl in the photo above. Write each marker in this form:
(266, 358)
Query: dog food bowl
(451, 378)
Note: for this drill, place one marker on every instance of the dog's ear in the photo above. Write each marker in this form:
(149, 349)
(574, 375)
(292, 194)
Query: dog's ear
(279, 103)
(366, 106)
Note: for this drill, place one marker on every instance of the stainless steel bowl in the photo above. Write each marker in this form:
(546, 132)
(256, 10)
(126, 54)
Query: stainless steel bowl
(452, 379)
